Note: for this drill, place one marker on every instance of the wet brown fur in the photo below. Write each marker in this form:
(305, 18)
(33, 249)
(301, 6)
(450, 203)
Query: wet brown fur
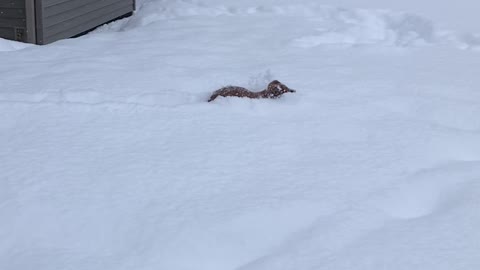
(274, 90)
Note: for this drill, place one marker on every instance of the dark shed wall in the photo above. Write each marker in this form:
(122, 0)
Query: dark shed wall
(57, 19)
(12, 17)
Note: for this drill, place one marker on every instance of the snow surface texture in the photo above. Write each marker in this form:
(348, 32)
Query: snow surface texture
(111, 158)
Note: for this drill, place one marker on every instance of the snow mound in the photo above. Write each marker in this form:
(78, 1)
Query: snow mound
(8, 45)
(432, 208)
(431, 190)
(357, 27)
(469, 41)
(331, 25)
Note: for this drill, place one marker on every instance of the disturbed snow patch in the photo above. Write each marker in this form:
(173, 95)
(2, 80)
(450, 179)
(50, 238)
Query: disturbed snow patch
(469, 41)
(330, 25)
(358, 27)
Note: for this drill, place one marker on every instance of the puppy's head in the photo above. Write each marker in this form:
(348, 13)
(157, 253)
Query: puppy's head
(276, 89)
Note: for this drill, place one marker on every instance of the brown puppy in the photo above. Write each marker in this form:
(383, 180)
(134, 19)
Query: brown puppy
(274, 90)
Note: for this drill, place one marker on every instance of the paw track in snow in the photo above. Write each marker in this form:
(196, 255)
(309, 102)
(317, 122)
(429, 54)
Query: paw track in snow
(95, 98)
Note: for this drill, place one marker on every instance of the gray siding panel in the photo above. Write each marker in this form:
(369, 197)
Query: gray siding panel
(12, 13)
(79, 13)
(46, 21)
(67, 18)
(12, 4)
(48, 3)
(96, 21)
(12, 22)
(12, 17)
(7, 33)
(70, 5)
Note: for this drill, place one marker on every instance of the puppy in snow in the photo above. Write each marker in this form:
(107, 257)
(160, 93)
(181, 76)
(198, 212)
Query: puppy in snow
(274, 90)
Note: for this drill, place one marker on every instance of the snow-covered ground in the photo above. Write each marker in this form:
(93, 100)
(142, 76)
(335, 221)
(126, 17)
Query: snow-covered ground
(111, 159)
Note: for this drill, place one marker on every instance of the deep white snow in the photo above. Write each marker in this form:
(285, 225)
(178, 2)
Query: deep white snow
(111, 158)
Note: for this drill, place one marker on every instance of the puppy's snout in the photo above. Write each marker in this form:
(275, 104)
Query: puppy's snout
(292, 91)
